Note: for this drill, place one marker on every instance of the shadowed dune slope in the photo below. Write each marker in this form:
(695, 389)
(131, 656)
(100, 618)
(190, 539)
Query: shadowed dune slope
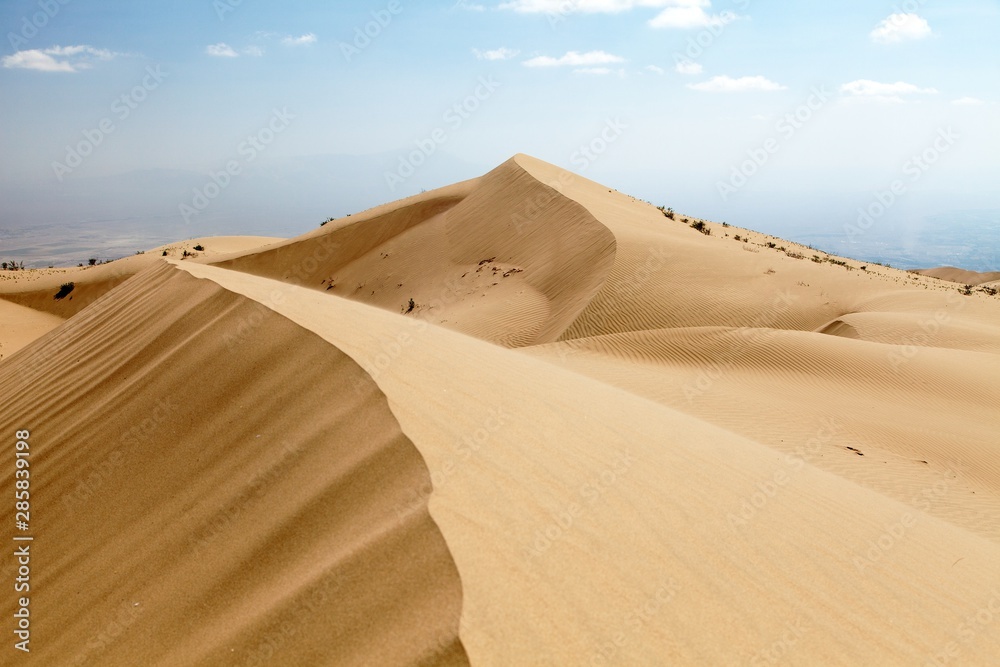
(509, 259)
(213, 485)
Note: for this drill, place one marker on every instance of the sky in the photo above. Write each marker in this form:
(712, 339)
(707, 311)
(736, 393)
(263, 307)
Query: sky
(807, 119)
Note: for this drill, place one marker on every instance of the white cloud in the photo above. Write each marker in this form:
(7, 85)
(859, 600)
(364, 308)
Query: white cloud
(688, 67)
(656, 70)
(673, 14)
(221, 50)
(469, 6)
(687, 14)
(865, 89)
(726, 84)
(900, 27)
(598, 71)
(502, 53)
(57, 58)
(302, 40)
(575, 59)
(968, 101)
(253, 51)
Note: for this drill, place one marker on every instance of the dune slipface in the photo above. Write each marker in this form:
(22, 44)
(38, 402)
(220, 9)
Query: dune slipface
(213, 485)
(505, 258)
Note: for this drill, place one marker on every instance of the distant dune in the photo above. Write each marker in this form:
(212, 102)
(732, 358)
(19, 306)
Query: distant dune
(962, 276)
(520, 420)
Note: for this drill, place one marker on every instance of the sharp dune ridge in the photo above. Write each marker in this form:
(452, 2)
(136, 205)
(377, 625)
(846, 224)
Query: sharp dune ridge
(523, 419)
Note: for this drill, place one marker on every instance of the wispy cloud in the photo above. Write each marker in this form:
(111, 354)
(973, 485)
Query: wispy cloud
(575, 59)
(502, 53)
(58, 58)
(301, 40)
(655, 69)
(865, 89)
(900, 27)
(688, 67)
(221, 50)
(968, 102)
(726, 84)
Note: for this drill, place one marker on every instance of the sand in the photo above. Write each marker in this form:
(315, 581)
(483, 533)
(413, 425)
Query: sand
(597, 437)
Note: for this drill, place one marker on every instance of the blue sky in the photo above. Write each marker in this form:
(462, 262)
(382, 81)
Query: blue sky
(829, 102)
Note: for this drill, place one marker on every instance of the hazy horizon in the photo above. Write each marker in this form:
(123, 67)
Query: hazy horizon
(864, 130)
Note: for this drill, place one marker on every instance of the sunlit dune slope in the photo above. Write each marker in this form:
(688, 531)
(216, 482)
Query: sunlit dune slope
(587, 521)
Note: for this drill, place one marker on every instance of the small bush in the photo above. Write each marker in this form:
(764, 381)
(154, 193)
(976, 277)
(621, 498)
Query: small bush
(667, 212)
(992, 291)
(771, 244)
(199, 247)
(700, 226)
(92, 261)
(737, 237)
(64, 290)
(164, 253)
(967, 290)
(411, 305)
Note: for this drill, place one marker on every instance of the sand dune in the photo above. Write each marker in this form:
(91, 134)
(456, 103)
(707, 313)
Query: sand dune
(956, 275)
(701, 450)
(205, 498)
